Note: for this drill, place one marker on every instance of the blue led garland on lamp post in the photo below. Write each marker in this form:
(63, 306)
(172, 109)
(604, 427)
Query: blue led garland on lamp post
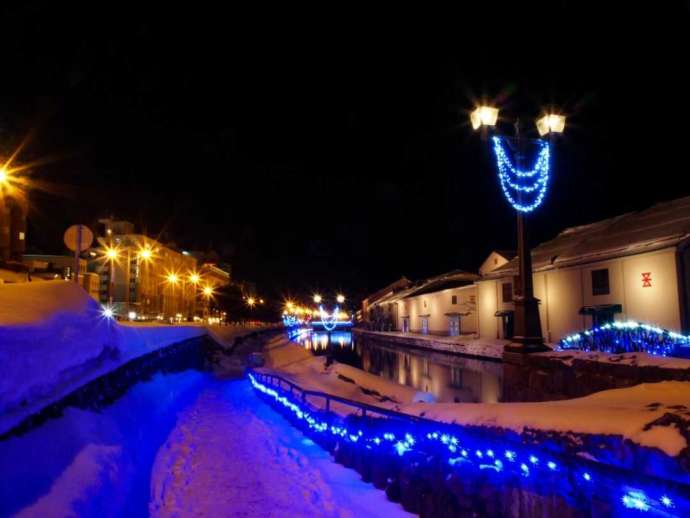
(525, 190)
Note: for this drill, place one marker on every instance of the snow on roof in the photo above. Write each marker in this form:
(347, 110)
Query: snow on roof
(660, 226)
(452, 279)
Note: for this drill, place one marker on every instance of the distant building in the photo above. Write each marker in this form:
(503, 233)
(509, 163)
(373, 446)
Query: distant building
(12, 229)
(147, 278)
(441, 305)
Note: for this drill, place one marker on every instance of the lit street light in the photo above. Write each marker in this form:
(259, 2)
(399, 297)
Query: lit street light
(525, 190)
(251, 302)
(317, 298)
(340, 299)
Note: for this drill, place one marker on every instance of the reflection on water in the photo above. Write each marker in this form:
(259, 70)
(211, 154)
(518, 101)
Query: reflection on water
(449, 377)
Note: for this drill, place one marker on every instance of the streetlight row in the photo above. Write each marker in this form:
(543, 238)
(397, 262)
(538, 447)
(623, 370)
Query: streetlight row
(340, 298)
(146, 254)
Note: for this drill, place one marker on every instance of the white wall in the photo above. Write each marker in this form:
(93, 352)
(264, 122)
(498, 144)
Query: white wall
(436, 305)
(564, 291)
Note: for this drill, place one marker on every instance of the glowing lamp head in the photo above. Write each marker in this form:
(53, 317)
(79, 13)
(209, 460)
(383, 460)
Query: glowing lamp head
(207, 291)
(317, 298)
(172, 278)
(289, 305)
(194, 278)
(251, 301)
(132, 315)
(111, 253)
(340, 299)
(551, 123)
(4, 176)
(107, 312)
(484, 116)
(146, 254)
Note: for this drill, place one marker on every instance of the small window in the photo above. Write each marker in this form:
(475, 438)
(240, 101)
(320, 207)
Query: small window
(456, 377)
(507, 288)
(600, 282)
(454, 299)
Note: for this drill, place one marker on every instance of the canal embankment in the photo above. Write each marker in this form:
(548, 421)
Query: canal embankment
(466, 345)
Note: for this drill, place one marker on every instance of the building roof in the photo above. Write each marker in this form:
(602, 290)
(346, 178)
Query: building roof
(452, 279)
(384, 292)
(660, 226)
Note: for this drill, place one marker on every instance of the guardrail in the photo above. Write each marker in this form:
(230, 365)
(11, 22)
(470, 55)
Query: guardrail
(386, 445)
(362, 409)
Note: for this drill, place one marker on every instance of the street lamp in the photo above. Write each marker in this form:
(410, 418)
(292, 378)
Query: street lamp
(111, 254)
(340, 298)
(525, 188)
(317, 298)
(251, 301)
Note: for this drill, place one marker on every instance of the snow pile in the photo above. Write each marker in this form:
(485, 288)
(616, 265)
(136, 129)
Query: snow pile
(53, 338)
(295, 363)
(623, 412)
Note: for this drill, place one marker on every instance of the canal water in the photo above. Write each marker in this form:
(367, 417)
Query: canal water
(449, 377)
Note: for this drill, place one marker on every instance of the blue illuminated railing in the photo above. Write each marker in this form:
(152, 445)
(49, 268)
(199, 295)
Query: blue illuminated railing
(472, 453)
(628, 337)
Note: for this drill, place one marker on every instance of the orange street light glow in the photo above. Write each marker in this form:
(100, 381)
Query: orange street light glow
(172, 278)
(207, 291)
(111, 253)
(194, 278)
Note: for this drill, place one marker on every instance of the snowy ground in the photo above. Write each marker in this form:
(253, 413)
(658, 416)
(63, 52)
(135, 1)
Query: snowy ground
(295, 363)
(184, 444)
(231, 455)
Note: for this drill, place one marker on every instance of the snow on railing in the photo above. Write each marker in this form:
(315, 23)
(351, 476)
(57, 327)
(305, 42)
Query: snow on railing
(389, 433)
(628, 337)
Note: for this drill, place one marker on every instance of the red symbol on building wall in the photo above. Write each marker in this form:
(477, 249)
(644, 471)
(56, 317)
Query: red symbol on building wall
(647, 280)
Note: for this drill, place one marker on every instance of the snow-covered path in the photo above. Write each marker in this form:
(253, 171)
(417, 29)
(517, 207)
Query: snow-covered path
(232, 455)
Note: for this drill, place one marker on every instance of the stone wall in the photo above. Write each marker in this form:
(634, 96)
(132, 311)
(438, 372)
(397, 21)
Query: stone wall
(541, 377)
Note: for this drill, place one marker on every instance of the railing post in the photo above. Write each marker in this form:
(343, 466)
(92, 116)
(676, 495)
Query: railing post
(328, 404)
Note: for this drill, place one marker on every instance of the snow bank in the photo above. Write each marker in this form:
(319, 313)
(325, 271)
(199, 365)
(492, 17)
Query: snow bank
(53, 339)
(295, 363)
(623, 412)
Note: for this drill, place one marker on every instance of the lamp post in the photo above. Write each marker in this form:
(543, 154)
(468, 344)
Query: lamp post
(525, 190)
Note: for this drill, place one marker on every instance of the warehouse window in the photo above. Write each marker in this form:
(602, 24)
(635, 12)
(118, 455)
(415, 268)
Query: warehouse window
(600, 282)
(454, 299)
(507, 288)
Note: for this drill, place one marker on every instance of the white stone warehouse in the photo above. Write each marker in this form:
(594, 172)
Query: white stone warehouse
(634, 266)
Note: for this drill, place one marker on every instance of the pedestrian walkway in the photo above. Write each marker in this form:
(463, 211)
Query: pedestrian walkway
(230, 454)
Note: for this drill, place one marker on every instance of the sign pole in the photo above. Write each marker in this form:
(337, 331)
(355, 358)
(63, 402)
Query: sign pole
(77, 251)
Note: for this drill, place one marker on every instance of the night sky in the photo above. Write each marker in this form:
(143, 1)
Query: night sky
(331, 150)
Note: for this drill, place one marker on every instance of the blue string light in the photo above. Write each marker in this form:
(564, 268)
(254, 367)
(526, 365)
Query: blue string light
(329, 322)
(518, 184)
(628, 337)
(525, 466)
